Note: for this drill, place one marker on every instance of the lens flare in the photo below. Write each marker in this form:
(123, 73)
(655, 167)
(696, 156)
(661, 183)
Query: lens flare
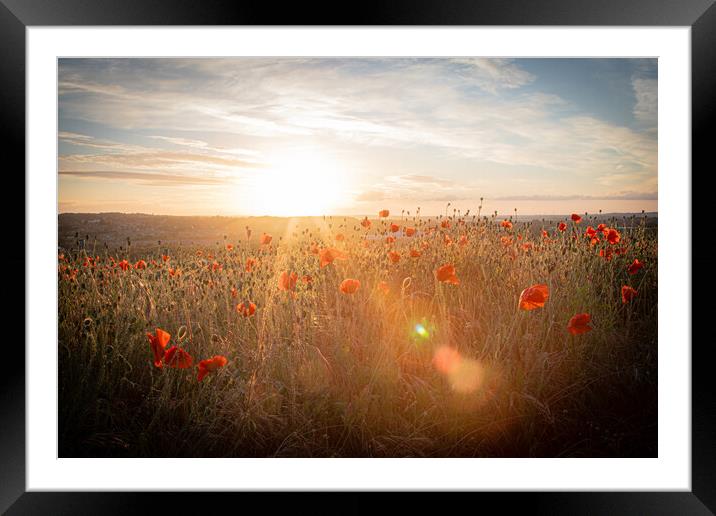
(421, 331)
(467, 377)
(446, 359)
(464, 374)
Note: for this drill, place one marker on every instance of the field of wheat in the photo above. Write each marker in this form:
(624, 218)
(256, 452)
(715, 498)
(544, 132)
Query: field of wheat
(392, 336)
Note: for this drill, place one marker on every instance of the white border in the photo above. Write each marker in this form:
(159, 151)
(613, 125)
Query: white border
(672, 470)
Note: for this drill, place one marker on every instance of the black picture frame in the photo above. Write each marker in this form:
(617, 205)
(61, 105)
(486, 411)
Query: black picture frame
(17, 15)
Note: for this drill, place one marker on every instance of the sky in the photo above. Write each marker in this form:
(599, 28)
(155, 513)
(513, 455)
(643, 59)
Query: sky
(352, 136)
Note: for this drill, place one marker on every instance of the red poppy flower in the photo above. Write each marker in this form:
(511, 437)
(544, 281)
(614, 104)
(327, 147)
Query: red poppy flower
(165, 258)
(635, 267)
(265, 239)
(562, 226)
(613, 236)
(606, 254)
(366, 223)
(394, 228)
(383, 213)
(157, 343)
(579, 324)
(534, 297)
(506, 241)
(506, 224)
(414, 253)
(349, 286)
(383, 287)
(177, 358)
(216, 266)
(329, 254)
(246, 309)
(545, 234)
(174, 272)
(409, 231)
(141, 264)
(628, 294)
(445, 224)
(124, 265)
(394, 256)
(590, 232)
(446, 239)
(390, 239)
(210, 365)
(287, 281)
(576, 218)
(602, 228)
(446, 274)
(250, 262)
(462, 241)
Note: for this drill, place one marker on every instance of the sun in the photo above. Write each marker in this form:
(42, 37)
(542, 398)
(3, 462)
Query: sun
(300, 184)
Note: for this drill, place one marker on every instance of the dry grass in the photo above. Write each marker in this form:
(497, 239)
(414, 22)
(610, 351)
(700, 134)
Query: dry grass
(322, 373)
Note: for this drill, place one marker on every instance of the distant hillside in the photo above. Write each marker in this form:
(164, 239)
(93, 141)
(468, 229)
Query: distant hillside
(113, 229)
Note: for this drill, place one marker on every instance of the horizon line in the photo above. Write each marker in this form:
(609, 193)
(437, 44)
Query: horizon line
(491, 214)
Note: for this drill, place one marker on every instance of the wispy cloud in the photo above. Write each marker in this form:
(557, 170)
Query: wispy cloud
(147, 178)
(416, 187)
(645, 109)
(157, 158)
(420, 180)
(195, 163)
(493, 75)
(617, 196)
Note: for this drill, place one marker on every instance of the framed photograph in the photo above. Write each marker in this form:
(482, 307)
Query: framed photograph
(415, 251)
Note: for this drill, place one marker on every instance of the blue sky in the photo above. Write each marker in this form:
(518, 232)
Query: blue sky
(294, 136)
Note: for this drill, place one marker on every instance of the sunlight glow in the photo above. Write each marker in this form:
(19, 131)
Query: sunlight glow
(301, 184)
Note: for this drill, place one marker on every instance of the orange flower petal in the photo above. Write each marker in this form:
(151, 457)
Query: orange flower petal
(534, 297)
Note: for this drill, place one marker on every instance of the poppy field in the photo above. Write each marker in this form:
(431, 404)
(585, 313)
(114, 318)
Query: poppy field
(392, 335)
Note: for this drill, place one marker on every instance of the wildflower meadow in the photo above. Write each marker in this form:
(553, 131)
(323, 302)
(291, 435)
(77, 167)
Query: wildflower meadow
(392, 335)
